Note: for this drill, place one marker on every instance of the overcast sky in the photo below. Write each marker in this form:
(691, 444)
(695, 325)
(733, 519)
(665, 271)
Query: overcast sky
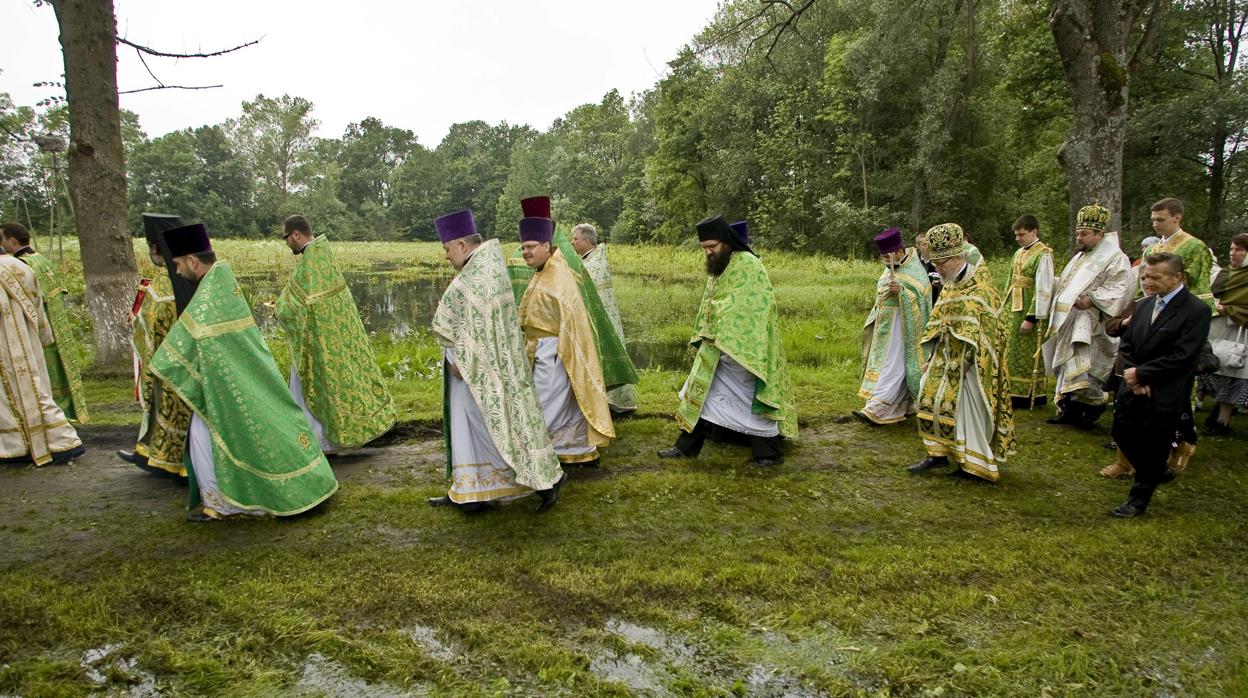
(419, 65)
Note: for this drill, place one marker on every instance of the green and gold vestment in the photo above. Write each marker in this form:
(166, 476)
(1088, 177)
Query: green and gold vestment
(1028, 295)
(63, 356)
(264, 453)
(623, 398)
(166, 418)
(738, 317)
(914, 302)
(331, 352)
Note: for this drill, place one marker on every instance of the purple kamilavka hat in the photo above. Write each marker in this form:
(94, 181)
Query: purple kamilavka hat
(742, 230)
(889, 241)
(454, 226)
(535, 229)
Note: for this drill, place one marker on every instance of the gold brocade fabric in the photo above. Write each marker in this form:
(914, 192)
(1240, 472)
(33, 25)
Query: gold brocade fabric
(166, 418)
(966, 328)
(31, 424)
(552, 307)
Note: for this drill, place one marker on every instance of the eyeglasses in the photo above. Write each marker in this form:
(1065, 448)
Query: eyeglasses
(287, 235)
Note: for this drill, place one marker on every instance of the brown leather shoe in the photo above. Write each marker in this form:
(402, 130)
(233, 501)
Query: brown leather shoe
(1120, 468)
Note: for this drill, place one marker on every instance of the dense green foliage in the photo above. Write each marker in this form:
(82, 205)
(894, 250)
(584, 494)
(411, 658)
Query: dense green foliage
(855, 116)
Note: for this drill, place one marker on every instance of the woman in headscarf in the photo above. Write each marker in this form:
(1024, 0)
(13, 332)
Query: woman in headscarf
(1229, 386)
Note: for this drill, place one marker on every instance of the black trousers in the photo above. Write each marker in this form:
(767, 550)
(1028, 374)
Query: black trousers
(690, 443)
(1145, 437)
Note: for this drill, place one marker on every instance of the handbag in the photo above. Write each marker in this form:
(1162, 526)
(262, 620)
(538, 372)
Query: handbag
(1231, 353)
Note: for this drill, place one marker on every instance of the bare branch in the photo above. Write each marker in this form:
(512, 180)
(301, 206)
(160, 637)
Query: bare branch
(148, 68)
(153, 52)
(1146, 41)
(169, 87)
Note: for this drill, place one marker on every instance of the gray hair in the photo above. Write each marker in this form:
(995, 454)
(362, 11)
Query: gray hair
(587, 231)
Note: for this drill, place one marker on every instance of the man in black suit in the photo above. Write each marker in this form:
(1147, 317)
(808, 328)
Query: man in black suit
(1158, 351)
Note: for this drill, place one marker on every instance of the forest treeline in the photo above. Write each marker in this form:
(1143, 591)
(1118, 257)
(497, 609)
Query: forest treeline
(860, 116)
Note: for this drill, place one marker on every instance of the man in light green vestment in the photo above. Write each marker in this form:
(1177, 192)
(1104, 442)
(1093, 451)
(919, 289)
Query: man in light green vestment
(738, 389)
(497, 445)
(892, 357)
(62, 356)
(1167, 217)
(251, 450)
(594, 255)
(333, 374)
(965, 416)
(1028, 292)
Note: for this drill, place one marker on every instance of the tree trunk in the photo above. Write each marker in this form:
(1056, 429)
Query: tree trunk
(1092, 38)
(97, 172)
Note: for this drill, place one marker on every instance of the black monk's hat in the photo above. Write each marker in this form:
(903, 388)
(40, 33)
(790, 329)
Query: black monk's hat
(716, 228)
(155, 225)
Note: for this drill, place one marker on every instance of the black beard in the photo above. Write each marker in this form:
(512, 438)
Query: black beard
(718, 262)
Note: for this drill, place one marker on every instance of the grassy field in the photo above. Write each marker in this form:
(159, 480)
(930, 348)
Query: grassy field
(835, 574)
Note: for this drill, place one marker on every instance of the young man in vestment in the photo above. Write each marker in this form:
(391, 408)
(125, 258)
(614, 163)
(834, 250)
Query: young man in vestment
(62, 356)
(333, 373)
(1028, 293)
(33, 428)
(623, 398)
(497, 445)
(965, 415)
(892, 356)
(738, 389)
(161, 446)
(251, 450)
(1094, 288)
(1167, 218)
(560, 341)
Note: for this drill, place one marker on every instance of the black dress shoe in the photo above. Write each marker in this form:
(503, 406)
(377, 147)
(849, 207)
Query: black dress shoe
(442, 501)
(1216, 428)
(1128, 510)
(961, 474)
(765, 462)
(197, 515)
(551, 495)
(929, 463)
(1167, 476)
(1088, 416)
(66, 456)
(673, 452)
(127, 456)
(862, 416)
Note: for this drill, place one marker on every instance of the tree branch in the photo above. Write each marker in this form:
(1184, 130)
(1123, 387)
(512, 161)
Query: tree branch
(169, 87)
(1146, 41)
(153, 52)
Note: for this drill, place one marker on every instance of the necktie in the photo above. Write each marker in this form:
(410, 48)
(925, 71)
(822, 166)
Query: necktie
(1161, 302)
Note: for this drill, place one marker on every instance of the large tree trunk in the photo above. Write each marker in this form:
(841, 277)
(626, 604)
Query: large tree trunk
(1092, 37)
(97, 171)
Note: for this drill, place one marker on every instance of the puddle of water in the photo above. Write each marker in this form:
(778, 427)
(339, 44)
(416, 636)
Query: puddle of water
(324, 677)
(99, 662)
(769, 682)
(665, 645)
(630, 670)
(427, 638)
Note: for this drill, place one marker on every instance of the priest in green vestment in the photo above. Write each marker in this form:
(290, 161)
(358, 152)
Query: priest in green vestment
(1028, 293)
(965, 415)
(738, 389)
(497, 444)
(161, 445)
(892, 356)
(333, 373)
(63, 356)
(1167, 217)
(623, 398)
(251, 451)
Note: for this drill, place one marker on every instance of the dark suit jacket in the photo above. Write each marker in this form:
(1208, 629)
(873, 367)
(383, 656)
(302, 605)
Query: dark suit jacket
(1164, 353)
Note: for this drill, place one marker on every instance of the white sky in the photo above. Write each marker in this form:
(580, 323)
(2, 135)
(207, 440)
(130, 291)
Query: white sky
(420, 65)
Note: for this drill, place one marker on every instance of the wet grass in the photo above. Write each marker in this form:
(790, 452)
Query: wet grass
(835, 574)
